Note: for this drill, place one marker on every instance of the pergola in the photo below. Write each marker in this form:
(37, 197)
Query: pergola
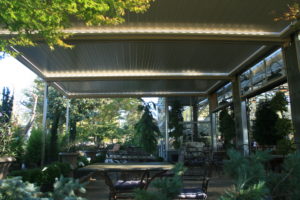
(176, 48)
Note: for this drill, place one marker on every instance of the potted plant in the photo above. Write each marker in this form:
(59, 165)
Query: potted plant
(6, 154)
(69, 155)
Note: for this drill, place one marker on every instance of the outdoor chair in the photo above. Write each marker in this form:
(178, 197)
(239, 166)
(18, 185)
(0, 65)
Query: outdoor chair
(195, 192)
(196, 173)
(217, 161)
(126, 184)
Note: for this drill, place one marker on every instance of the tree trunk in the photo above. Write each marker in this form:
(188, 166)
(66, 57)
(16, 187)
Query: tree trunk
(32, 118)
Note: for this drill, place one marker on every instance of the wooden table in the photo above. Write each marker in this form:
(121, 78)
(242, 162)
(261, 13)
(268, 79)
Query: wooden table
(157, 169)
(119, 167)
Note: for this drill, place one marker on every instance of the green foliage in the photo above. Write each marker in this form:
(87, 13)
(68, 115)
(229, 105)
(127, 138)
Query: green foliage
(279, 102)
(166, 188)
(249, 175)
(16, 189)
(100, 158)
(5, 140)
(5, 126)
(175, 123)
(6, 106)
(249, 168)
(34, 148)
(64, 188)
(269, 127)
(30, 175)
(285, 185)
(105, 123)
(257, 191)
(147, 129)
(43, 177)
(18, 144)
(82, 161)
(264, 131)
(253, 182)
(30, 20)
(285, 146)
(98, 119)
(227, 127)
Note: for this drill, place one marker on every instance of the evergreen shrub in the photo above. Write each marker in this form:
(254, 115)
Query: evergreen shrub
(43, 177)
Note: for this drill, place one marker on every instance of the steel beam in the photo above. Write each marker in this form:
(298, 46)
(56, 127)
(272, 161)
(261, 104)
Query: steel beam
(67, 117)
(240, 115)
(291, 56)
(98, 76)
(167, 128)
(213, 104)
(134, 94)
(45, 111)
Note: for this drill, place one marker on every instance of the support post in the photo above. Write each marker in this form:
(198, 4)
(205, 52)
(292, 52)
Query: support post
(213, 104)
(291, 55)
(240, 115)
(45, 111)
(167, 128)
(195, 117)
(68, 118)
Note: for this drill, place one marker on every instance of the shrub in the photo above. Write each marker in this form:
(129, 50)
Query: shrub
(44, 177)
(17, 144)
(227, 127)
(285, 185)
(249, 175)
(30, 175)
(147, 130)
(34, 148)
(17, 189)
(252, 182)
(271, 125)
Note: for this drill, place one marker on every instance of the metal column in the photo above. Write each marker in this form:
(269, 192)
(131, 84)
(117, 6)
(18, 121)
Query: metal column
(67, 118)
(292, 62)
(45, 110)
(167, 128)
(213, 103)
(240, 115)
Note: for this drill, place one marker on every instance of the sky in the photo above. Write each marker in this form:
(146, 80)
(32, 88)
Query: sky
(17, 78)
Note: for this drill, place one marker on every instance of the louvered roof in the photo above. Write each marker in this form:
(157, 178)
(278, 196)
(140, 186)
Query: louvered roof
(176, 48)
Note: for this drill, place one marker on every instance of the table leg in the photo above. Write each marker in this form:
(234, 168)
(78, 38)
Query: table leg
(109, 183)
(153, 177)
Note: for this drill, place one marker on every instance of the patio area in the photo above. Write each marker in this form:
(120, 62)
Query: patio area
(183, 83)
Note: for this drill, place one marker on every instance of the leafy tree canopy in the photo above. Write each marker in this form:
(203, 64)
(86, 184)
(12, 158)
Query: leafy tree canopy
(29, 20)
(270, 127)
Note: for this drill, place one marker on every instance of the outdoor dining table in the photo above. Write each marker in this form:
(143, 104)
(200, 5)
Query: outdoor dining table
(149, 170)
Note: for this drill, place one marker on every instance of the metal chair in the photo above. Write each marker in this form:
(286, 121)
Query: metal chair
(195, 192)
(124, 187)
